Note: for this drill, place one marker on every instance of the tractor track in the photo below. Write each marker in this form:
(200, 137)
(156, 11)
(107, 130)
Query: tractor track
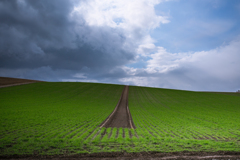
(121, 116)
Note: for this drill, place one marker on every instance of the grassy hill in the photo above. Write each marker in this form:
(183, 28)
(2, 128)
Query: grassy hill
(174, 120)
(64, 117)
(53, 118)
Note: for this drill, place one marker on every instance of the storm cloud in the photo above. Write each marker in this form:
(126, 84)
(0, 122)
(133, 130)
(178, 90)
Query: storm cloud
(123, 42)
(36, 34)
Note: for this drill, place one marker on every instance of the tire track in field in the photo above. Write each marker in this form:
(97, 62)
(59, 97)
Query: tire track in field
(78, 93)
(121, 116)
(94, 130)
(16, 84)
(89, 136)
(88, 122)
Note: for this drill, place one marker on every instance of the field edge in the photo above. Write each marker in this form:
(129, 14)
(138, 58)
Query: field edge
(151, 154)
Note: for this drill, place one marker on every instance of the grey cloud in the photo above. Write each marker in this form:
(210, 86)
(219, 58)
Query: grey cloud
(45, 73)
(39, 40)
(190, 76)
(183, 78)
(38, 34)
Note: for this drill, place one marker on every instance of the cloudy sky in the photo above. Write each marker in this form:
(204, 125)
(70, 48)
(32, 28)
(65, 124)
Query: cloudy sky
(179, 44)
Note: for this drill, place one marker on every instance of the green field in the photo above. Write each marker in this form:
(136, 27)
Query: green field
(174, 120)
(63, 118)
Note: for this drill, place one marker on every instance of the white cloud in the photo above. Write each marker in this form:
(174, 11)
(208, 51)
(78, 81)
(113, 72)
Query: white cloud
(133, 18)
(79, 75)
(162, 61)
(99, 38)
(222, 62)
(217, 69)
(79, 80)
(146, 47)
(124, 14)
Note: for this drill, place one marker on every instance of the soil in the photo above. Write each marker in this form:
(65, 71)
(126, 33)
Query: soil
(7, 81)
(137, 156)
(121, 116)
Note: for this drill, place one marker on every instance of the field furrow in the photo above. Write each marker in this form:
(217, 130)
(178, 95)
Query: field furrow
(49, 118)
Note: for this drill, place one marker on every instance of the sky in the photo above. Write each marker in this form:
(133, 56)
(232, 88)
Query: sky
(178, 44)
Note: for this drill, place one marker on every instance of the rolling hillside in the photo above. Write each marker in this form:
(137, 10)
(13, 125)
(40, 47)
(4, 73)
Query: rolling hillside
(52, 118)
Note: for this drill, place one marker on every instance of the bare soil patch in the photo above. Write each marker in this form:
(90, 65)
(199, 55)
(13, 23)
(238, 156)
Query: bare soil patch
(221, 155)
(121, 116)
(7, 81)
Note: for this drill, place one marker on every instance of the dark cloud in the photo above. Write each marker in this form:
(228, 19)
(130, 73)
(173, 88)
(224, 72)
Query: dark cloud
(46, 40)
(38, 34)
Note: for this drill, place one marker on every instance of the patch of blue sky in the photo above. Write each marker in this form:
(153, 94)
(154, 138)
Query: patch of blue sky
(197, 25)
(118, 20)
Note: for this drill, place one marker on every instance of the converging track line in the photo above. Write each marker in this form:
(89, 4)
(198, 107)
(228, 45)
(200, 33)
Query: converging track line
(121, 116)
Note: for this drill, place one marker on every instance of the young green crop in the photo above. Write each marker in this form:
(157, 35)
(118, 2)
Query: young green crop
(64, 118)
(48, 118)
(173, 120)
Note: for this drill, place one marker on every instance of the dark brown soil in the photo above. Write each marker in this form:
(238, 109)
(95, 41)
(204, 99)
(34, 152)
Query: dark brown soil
(137, 156)
(7, 82)
(121, 116)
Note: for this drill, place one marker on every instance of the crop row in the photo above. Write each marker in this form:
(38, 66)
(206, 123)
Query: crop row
(185, 120)
(64, 118)
(50, 117)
